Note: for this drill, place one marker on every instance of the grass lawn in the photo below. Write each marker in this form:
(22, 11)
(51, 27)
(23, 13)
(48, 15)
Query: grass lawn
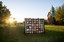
(16, 34)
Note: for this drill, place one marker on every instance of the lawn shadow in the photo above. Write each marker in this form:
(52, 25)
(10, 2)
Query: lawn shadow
(56, 36)
(18, 35)
(48, 36)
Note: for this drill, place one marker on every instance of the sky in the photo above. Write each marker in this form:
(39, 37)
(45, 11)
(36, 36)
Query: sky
(21, 9)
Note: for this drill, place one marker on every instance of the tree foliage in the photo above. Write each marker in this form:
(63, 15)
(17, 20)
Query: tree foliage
(51, 16)
(57, 15)
(4, 13)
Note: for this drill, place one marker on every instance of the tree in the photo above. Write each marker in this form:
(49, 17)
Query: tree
(62, 13)
(52, 11)
(62, 8)
(51, 16)
(58, 14)
(4, 13)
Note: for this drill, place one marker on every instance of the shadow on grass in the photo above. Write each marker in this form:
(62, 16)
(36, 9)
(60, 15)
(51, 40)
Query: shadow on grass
(55, 36)
(18, 35)
(48, 36)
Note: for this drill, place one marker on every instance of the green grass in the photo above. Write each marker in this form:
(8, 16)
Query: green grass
(16, 34)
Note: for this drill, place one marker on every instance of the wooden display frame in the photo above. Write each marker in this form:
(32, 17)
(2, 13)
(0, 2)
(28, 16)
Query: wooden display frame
(34, 25)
